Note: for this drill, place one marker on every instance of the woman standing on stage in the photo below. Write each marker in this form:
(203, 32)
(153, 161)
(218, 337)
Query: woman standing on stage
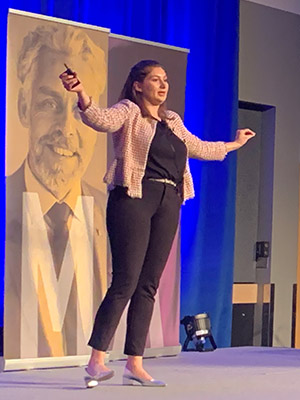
(148, 181)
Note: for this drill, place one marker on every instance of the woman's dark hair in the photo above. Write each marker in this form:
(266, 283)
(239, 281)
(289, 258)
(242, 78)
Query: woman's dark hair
(137, 74)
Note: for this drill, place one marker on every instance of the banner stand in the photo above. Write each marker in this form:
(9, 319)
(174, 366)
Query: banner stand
(57, 269)
(77, 361)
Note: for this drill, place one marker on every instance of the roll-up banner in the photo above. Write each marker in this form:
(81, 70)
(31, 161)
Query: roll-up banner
(57, 261)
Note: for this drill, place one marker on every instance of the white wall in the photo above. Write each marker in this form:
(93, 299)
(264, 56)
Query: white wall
(269, 74)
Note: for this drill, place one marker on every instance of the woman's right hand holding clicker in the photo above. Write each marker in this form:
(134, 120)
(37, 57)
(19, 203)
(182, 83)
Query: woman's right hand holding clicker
(71, 83)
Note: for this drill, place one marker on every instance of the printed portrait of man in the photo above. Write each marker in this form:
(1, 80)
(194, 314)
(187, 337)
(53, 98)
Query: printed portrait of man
(56, 272)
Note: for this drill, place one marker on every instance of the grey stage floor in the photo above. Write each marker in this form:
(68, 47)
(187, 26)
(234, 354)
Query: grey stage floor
(233, 373)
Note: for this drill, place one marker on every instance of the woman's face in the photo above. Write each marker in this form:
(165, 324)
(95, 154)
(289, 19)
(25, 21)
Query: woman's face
(155, 87)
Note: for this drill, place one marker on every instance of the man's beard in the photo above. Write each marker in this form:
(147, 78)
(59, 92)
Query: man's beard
(57, 178)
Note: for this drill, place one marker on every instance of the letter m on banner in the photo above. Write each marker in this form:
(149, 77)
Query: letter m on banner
(44, 297)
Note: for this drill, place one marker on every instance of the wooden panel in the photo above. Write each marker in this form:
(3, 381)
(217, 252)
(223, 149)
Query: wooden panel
(244, 293)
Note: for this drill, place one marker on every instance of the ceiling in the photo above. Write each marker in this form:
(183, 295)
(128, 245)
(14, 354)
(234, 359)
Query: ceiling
(292, 6)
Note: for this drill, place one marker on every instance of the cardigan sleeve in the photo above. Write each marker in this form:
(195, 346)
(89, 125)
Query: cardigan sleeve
(197, 148)
(107, 119)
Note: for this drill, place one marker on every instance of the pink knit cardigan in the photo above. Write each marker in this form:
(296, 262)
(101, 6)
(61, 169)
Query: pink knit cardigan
(132, 137)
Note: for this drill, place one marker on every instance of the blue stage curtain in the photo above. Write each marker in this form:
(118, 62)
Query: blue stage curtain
(209, 28)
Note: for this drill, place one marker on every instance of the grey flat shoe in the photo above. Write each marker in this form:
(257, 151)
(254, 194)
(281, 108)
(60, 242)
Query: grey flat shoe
(129, 379)
(92, 381)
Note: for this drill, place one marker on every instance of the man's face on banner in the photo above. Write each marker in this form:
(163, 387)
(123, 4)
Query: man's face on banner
(60, 145)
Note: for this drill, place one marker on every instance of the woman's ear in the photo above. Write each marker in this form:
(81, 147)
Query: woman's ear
(137, 86)
(23, 108)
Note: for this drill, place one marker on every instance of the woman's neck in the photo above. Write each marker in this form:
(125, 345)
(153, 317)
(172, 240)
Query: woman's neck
(153, 110)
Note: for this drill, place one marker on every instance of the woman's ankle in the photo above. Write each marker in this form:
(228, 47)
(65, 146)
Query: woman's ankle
(134, 363)
(97, 358)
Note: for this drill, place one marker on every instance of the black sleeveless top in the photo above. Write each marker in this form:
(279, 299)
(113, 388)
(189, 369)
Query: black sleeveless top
(167, 155)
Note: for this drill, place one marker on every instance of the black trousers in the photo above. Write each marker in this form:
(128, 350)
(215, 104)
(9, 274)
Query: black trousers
(141, 233)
